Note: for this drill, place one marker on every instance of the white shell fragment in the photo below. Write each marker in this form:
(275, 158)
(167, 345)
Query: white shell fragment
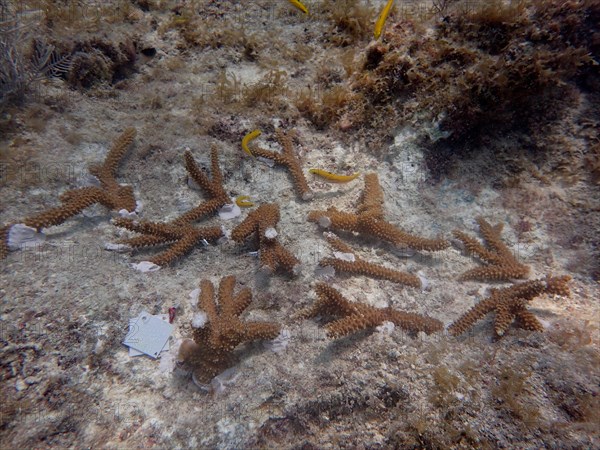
(386, 328)
(229, 211)
(270, 233)
(145, 266)
(199, 320)
(21, 236)
(267, 161)
(111, 246)
(344, 256)
(129, 215)
(325, 273)
(194, 296)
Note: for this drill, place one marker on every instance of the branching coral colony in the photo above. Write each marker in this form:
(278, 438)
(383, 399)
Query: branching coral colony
(501, 263)
(368, 220)
(510, 303)
(110, 193)
(286, 158)
(356, 316)
(211, 350)
(272, 254)
(180, 232)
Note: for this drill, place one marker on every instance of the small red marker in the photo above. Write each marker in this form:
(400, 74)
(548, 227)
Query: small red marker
(172, 311)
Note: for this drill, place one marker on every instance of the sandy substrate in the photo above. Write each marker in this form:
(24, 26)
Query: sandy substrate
(67, 380)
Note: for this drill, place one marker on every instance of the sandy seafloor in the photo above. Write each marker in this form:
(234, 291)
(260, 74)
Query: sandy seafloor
(67, 381)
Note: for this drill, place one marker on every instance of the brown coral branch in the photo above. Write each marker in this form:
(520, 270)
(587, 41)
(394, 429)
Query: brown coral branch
(289, 160)
(110, 193)
(211, 351)
(362, 267)
(180, 233)
(262, 223)
(356, 316)
(501, 264)
(369, 221)
(510, 303)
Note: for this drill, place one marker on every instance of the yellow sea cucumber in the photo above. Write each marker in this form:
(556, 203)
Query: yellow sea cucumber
(382, 18)
(242, 201)
(334, 177)
(299, 5)
(250, 136)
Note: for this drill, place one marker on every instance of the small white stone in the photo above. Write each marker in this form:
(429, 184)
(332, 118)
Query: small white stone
(21, 236)
(324, 222)
(270, 233)
(199, 320)
(127, 214)
(386, 328)
(111, 246)
(145, 266)
(344, 256)
(267, 161)
(325, 273)
(195, 295)
(230, 211)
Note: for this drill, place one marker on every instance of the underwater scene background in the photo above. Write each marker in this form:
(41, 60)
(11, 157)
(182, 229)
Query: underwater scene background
(282, 224)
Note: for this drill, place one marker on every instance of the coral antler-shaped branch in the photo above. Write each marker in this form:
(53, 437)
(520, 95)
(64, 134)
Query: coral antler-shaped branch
(180, 232)
(211, 351)
(110, 193)
(510, 303)
(368, 220)
(501, 264)
(289, 160)
(356, 316)
(262, 222)
(346, 260)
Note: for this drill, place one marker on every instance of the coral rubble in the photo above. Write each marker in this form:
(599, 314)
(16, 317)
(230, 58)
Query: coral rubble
(355, 316)
(180, 232)
(262, 222)
(211, 351)
(501, 264)
(510, 303)
(368, 220)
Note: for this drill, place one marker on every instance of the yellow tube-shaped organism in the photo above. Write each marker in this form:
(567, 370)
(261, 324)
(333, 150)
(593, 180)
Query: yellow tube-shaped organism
(382, 18)
(242, 201)
(252, 135)
(334, 177)
(299, 5)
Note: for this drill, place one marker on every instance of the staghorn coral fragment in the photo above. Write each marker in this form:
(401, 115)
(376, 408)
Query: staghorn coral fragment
(362, 267)
(501, 264)
(212, 350)
(510, 303)
(356, 316)
(180, 233)
(368, 220)
(289, 160)
(272, 254)
(109, 194)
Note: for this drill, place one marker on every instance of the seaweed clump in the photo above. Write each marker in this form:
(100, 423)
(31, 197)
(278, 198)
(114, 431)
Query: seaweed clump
(492, 70)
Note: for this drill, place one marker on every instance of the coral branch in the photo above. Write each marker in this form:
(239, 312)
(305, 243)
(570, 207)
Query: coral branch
(110, 193)
(511, 303)
(180, 232)
(369, 221)
(500, 262)
(262, 222)
(289, 160)
(355, 316)
(211, 351)
(362, 267)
